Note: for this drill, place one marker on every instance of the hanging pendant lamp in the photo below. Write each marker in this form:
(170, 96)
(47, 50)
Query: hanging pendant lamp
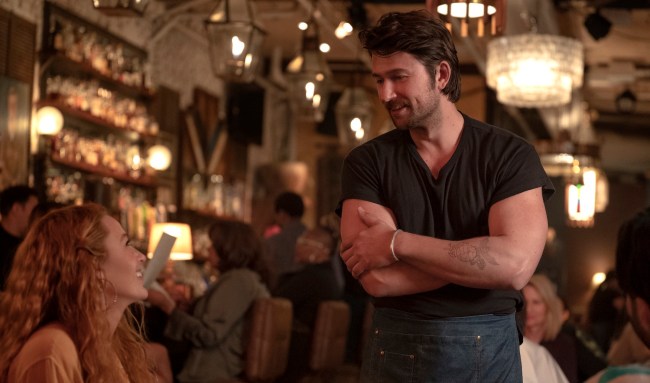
(534, 70)
(480, 16)
(309, 77)
(235, 41)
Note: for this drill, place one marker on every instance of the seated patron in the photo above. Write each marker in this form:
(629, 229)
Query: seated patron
(289, 209)
(544, 322)
(306, 289)
(63, 315)
(214, 327)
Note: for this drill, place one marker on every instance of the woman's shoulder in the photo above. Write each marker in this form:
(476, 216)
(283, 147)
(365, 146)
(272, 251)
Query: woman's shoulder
(51, 338)
(244, 277)
(50, 345)
(239, 273)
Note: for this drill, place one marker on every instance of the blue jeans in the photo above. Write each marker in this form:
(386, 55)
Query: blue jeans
(480, 349)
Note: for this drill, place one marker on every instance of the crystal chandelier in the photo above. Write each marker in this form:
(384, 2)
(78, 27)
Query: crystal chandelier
(309, 77)
(484, 13)
(235, 41)
(354, 112)
(534, 70)
(121, 7)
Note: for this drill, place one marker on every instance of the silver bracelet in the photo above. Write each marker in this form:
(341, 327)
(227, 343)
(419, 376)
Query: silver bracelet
(392, 245)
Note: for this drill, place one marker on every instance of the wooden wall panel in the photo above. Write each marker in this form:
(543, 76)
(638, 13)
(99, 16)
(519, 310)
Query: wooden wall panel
(4, 40)
(22, 50)
(17, 47)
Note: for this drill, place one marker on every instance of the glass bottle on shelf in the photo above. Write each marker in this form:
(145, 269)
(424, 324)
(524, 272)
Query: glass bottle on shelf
(68, 39)
(215, 194)
(56, 34)
(191, 193)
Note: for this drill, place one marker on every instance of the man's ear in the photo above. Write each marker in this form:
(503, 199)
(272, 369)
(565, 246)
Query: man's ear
(444, 74)
(14, 209)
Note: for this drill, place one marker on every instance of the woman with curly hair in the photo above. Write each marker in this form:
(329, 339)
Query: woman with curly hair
(215, 327)
(64, 313)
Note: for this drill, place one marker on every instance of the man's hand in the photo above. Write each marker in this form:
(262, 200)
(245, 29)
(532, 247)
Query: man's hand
(371, 247)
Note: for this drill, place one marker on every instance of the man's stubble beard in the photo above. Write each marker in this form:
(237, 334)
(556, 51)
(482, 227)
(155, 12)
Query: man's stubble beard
(424, 118)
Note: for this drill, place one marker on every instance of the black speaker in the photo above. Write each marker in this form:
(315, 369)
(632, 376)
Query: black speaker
(597, 25)
(245, 112)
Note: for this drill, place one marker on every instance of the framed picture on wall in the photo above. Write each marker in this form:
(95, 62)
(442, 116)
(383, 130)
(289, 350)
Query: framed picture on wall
(15, 113)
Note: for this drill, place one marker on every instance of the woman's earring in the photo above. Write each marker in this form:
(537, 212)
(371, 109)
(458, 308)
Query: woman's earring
(114, 301)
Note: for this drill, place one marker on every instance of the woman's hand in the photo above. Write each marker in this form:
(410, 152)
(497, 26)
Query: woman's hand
(161, 301)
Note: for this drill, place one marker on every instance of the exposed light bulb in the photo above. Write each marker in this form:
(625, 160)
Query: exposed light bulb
(316, 100)
(355, 124)
(598, 278)
(217, 16)
(343, 30)
(159, 157)
(49, 121)
(238, 46)
(309, 90)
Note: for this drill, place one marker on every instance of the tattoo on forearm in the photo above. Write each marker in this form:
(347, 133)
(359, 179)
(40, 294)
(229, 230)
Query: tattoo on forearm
(474, 254)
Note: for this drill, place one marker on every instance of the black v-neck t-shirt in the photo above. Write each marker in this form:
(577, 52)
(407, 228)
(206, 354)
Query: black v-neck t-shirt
(490, 164)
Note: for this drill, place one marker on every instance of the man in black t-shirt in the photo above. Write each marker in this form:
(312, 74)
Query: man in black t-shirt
(443, 219)
(16, 205)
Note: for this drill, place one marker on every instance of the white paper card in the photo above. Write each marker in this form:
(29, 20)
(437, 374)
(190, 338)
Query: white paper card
(159, 259)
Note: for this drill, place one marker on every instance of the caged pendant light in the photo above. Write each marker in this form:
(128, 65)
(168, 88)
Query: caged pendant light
(309, 77)
(235, 41)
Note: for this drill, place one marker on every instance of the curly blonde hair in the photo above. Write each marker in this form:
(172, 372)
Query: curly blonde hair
(57, 277)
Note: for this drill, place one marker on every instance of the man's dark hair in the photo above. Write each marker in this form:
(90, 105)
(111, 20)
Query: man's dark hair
(633, 256)
(15, 194)
(419, 34)
(43, 208)
(290, 203)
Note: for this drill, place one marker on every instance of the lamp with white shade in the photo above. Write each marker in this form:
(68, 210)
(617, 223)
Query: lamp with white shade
(182, 249)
